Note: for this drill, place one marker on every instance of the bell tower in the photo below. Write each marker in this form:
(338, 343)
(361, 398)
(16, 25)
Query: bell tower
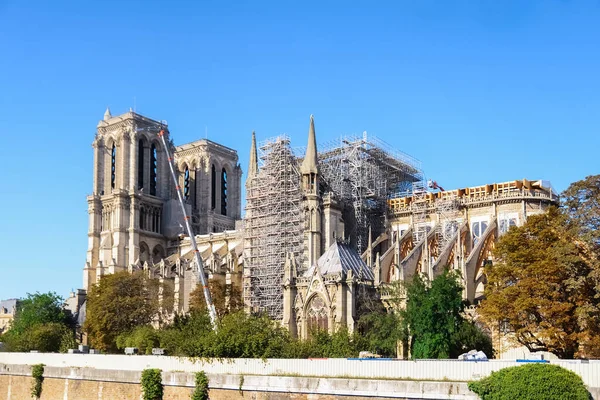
(130, 186)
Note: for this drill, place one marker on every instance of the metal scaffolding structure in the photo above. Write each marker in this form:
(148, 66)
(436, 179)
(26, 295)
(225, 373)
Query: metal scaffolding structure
(447, 209)
(420, 205)
(273, 225)
(363, 172)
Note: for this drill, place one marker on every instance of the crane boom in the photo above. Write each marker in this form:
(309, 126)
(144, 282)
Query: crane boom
(209, 303)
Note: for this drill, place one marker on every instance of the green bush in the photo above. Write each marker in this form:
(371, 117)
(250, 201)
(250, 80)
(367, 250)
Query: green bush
(201, 390)
(152, 387)
(531, 382)
(145, 338)
(37, 372)
(46, 338)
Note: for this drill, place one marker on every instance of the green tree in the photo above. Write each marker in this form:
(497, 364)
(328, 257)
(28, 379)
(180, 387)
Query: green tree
(381, 331)
(37, 309)
(433, 317)
(41, 324)
(117, 304)
(242, 335)
(542, 286)
(144, 338)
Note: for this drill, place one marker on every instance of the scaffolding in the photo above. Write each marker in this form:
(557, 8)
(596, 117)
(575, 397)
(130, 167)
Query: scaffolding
(363, 172)
(447, 207)
(273, 225)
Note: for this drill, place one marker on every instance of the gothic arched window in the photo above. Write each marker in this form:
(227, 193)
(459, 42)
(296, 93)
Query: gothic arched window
(113, 166)
(186, 183)
(140, 177)
(316, 315)
(224, 192)
(213, 187)
(153, 169)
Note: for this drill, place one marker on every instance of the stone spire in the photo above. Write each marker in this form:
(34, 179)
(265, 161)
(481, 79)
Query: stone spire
(253, 164)
(309, 165)
(107, 115)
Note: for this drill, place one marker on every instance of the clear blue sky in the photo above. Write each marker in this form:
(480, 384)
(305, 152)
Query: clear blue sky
(479, 91)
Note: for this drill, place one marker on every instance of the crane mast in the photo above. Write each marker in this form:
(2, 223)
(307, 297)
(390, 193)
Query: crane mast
(209, 303)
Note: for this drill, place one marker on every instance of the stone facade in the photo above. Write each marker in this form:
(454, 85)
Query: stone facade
(135, 223)
(462, 226)
(135, 220)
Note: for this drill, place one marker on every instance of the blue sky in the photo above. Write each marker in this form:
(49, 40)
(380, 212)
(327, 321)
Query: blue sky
(479, 91)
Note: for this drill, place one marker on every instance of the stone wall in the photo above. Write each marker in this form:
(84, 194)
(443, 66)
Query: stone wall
(68, 383)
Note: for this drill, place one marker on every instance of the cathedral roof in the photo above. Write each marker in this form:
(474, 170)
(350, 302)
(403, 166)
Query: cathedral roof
(340, 257)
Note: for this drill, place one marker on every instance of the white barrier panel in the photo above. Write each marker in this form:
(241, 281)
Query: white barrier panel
(435, 370)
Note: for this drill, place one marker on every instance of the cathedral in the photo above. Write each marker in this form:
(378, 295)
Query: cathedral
(324, 232)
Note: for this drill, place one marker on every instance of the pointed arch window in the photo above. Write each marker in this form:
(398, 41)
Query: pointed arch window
(316, 316)
(213, 187)
(153, 169)
(140, 177)
(186, 183)
(223, 192)
(113, 166)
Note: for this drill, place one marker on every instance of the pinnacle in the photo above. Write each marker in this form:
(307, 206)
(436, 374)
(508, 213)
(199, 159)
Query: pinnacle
(107, 114)
(253, 163)
(309, 165)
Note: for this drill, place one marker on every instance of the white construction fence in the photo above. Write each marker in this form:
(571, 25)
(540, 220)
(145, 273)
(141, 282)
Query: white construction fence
(434, 370)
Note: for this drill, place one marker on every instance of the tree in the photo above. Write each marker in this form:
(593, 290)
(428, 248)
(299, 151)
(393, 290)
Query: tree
(226, 299)
(119, 303)
(581, 202)
(433, 315)
(41, 324)
(542, 286)
(381, 331)
(37, 309)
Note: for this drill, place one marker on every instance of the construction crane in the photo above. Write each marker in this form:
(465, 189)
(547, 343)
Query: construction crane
(209, 303)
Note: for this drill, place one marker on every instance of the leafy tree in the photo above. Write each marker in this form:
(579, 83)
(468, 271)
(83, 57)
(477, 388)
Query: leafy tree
(433, 315)
(470, 336)
(542, 286)
(581, 202)
(242, 335)
(37, 309)
(189, 335)
(119, 303)
(145, 338)
(41, 324)
(381, 332)
(227, 299)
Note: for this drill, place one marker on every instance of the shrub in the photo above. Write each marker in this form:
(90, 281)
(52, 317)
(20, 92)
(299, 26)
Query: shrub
(152, 388)
(37, 372)
(201, 390)
(531, 382)
(143, 337)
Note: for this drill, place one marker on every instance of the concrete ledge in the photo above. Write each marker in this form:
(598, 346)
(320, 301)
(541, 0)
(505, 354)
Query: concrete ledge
(267, 384)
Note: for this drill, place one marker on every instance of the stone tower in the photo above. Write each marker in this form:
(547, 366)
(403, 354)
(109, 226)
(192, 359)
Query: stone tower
(312, 199)
(134, 218)
(131, 183)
